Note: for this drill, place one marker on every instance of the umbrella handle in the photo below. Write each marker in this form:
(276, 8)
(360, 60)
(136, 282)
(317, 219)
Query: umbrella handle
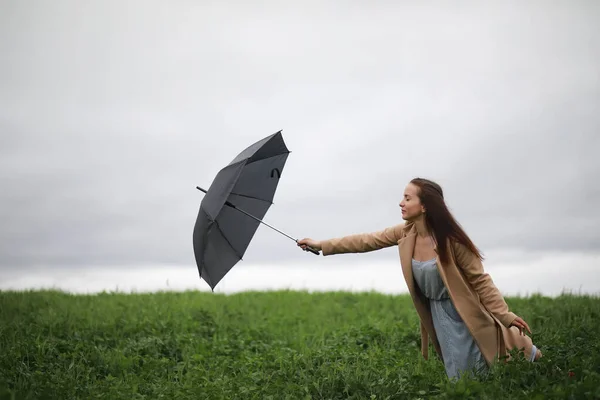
(315, 252)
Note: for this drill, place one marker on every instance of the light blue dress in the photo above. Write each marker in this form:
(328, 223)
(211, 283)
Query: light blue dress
(459, 350)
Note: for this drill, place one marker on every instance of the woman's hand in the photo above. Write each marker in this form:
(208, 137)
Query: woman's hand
(519, 323)
(315, 244)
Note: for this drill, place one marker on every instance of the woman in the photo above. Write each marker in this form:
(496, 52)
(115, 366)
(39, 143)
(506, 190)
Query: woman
(460, 308)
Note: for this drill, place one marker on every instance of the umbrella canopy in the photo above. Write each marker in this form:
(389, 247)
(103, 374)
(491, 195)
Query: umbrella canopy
(222, 233)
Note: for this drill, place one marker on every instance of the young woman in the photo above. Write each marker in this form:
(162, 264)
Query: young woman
(460, 308)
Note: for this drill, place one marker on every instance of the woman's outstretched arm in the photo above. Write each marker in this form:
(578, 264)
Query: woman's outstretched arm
(357, 243)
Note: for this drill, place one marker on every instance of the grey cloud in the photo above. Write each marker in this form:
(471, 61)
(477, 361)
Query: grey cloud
(111, 114)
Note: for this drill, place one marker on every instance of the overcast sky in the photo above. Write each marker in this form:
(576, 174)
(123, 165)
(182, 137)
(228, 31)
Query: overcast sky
(112, 112)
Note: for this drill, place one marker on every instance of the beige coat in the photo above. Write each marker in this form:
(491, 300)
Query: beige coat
(476, 298)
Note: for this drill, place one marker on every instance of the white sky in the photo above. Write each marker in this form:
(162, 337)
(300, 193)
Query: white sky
(112, 112)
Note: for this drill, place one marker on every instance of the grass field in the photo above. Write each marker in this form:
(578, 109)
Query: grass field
(271, 345)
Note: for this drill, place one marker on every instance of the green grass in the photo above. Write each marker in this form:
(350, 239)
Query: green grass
(271, 345)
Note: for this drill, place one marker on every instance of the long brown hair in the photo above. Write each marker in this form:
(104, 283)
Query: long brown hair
(439, 219)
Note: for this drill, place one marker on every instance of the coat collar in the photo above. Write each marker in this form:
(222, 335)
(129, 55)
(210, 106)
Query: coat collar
(406, 247)
(410, 233)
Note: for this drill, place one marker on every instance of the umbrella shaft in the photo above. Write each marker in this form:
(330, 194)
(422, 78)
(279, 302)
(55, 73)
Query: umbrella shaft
(262, 222)
(250, 215)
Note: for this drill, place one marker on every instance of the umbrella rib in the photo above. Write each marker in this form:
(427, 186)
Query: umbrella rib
(227, 240)
(252, 197)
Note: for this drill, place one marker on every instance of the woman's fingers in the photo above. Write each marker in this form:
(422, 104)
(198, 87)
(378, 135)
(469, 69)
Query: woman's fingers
(308, 242)
(526, 327)
(521, 325)
(303, 243)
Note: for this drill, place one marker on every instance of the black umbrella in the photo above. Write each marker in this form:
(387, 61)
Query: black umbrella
(234, 205)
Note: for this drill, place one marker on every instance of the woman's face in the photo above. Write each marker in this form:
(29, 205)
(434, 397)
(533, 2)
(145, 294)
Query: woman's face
(411, 204)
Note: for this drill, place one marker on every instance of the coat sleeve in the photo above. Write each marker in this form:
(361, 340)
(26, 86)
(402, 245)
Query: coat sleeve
(363, 242)
(483, 284)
